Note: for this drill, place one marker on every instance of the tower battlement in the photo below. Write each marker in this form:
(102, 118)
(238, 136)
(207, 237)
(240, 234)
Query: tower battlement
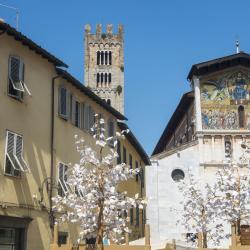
(104, 34)
(104, 63)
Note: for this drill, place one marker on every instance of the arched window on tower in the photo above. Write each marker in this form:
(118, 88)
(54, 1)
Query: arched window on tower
(98, 58)
(106, 57)
(110, 58)
(98, 79)
(101, 79)
(241, 115)
(106, 78)
(102, 58)
(109, 102)
(110, 78)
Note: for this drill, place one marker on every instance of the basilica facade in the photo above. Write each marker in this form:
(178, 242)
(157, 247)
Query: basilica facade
(210, 122)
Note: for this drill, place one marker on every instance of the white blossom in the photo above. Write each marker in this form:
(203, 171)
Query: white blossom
(92, 200)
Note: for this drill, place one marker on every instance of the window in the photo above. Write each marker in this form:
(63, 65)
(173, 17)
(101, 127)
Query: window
(98, 57)
(110, 58)
(136, 166)
(16, 85)
(85, 116)
(97, 79)
(124, 155)
(104, 57)
(130, 161)
(109, 102)
(14, 162)
(119, 160)
(91, 119)
(142, 177)
(131, 212)
(63, 186)
(11, 238)
(110, 78)
(177, 175)
(75, 112)
(137, 216)
(241, 114)
(64, 96)
(228, 148)
(62, 238)
(111, 131)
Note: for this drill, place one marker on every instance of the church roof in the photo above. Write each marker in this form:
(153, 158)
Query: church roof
(219, 64)
(176, 118)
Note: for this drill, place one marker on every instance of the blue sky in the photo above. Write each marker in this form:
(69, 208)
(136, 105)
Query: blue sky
(163, 39)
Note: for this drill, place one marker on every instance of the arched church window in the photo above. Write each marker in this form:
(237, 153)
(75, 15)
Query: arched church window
(102, 58)
(241, 114)
(98, 57)
(177, 175)
(110, 58)
(109, 102)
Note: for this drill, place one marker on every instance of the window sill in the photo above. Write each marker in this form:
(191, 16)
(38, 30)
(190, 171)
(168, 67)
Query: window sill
(16, 98)
(13, 176)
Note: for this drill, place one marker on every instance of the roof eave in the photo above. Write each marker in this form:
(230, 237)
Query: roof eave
(67, 76)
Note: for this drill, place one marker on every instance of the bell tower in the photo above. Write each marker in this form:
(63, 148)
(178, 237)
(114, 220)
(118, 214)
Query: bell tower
(104, 64)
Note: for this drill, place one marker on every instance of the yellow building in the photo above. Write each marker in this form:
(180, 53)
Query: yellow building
(42, 108)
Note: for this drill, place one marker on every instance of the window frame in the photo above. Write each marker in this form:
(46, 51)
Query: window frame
(67, 100)
(59, 181)
(21, 74)
(23, 167)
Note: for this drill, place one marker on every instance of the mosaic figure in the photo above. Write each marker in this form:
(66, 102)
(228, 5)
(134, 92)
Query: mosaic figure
(240, 88)
(236, 87)
(216, 119)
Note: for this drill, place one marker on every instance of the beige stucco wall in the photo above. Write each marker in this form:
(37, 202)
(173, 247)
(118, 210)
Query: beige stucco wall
(31, 118)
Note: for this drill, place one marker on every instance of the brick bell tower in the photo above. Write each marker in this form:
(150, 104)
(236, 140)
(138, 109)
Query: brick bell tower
(104, 64)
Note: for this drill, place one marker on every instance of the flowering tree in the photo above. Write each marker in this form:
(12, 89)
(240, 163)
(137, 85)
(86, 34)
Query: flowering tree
(199, 216)
(232, 191)
(208, 209)
(92, 200)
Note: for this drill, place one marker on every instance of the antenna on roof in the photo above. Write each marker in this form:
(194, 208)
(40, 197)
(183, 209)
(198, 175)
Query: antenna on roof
(16, 10)
(237, 47)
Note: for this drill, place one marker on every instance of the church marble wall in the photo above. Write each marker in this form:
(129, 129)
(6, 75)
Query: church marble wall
(220, 99)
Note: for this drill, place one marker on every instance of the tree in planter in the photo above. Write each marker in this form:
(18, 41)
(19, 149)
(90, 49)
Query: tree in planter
(92, 200)
(227, 202)
(199, 215)
(232, 191)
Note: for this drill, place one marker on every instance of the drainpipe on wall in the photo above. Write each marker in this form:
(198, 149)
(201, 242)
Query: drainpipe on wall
(52, 149)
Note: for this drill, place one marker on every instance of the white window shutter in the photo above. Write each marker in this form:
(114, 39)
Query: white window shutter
(19, 154)
(62, 177)
(10, 149)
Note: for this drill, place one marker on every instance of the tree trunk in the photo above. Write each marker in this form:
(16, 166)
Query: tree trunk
(204, 239)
